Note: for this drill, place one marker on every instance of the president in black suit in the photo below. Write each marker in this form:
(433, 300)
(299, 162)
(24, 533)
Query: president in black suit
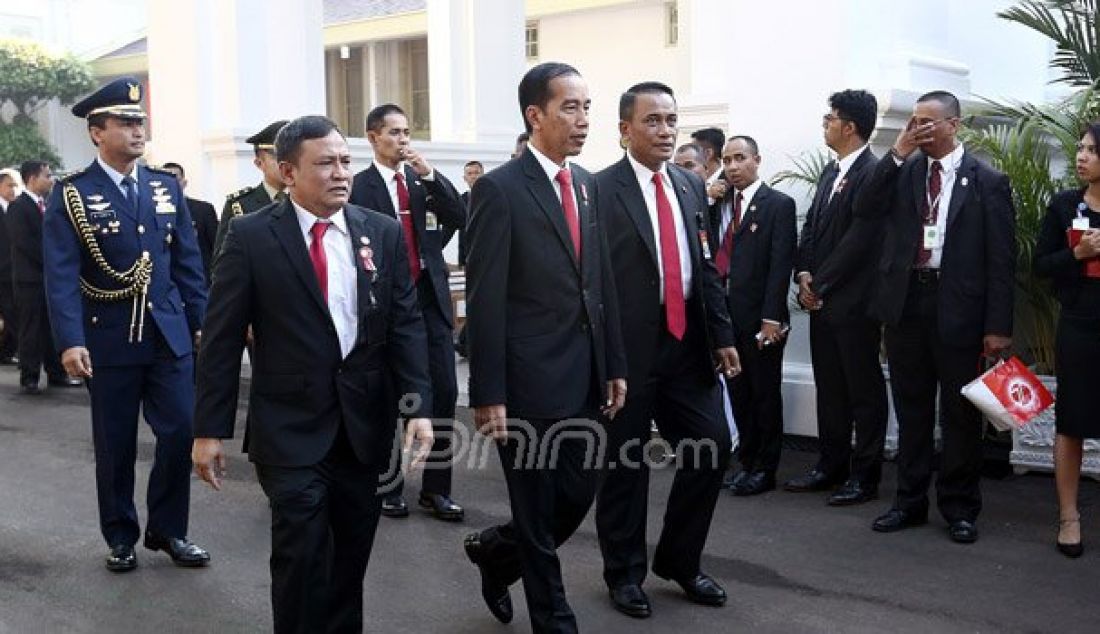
(24, 224)
(944, 288)
(835, 266)
(401, 184)
(546, 353)
(326, 288)
(674, 316)
(204, 219)
(754, 232)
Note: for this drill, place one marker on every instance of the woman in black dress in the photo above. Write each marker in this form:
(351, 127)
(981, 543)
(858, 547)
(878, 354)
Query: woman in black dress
(1077, 343)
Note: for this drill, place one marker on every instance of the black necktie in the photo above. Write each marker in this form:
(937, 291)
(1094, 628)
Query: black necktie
(131, 192)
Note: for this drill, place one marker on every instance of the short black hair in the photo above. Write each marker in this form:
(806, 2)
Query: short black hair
(174, 166)
(626, 101)
(30, 169)
(377, 116)
(749, 141)
(712, 138)
(949, 101)
(694, 147)
(288, 143)
(470, 163)
(858, 106)
(534, 88)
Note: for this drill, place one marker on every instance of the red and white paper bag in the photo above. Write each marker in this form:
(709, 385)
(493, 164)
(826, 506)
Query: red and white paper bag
(1009, 394)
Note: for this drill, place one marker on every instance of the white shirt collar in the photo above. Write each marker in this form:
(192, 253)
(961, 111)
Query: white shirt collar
(550, 167)
(749, 192)
(116, 175)
(845, 164)
(951, 162)
(644, 174)
(35, 197)
(306, 220)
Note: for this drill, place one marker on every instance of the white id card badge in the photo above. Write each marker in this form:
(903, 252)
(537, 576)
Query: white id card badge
(431, 223)
(931, 237)
(1081, 223)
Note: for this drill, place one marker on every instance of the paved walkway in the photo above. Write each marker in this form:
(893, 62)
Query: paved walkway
(790, 563)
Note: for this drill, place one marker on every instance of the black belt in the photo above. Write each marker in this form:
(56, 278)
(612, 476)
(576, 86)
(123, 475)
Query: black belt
(925, 276)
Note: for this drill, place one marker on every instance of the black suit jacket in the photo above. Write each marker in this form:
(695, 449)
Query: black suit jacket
(205, 220)
(631, 239)
(302, 390)
(763, 255)
(977, 268)
(542, 330)
(436, 196)
(837, 251)
(24, 222)
(1053, 255)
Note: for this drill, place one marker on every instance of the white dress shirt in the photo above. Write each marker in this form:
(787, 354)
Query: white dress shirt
(391, 182)
(551, 168)
(649, 193)
(343, 294)
(950, 164)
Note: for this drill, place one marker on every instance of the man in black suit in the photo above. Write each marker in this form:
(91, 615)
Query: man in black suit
(836, 259)
(326, 288)
(944, 288)
(546, 353)
(472, 171)
(203, 217)
(403, 185)
(754, 230)
(674, 316)
(24, 224)
(8, 344)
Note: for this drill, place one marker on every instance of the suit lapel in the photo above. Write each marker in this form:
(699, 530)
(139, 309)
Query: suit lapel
(380, 192)
(687, 202)
(920, 185)
(284, 223)
(543, 193)
(748, 214)
(418, 202)
(634, 203)
(362, 237)
(963, 178)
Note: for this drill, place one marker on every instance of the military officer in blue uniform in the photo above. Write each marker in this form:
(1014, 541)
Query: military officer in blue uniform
(125, 291)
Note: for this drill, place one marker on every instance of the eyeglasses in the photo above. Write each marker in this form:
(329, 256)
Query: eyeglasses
(829, 117)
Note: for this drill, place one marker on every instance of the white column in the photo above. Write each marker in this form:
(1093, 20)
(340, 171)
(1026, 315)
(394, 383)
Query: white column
(220, 70)
(475, 61)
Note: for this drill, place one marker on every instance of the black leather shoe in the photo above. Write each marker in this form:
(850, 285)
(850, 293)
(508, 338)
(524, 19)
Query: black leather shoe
(896, 519)
(183, 553)
(394, 506)
(121, 558)
(851, 493)
(493, 591)
(758, 482)
(65, 381)
(963, 532)
(631, 600)
(700, 589)
(811, 482)
(30, 388)
(734, 480)
(1073, 550)
(441, 506)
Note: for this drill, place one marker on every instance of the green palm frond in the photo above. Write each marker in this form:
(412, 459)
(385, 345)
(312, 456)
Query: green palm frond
(807, 170)
(1073, 26)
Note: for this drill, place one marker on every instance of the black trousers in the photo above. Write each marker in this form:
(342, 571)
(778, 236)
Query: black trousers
(323, 520)
(36, 346)
(851, 394)
(8, 339)
(919, 362)
(687, 407)
(437, 474)
(756, 398)
(164, 392)
(551, 468)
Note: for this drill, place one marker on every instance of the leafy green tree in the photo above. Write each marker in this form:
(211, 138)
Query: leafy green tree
(31, 76)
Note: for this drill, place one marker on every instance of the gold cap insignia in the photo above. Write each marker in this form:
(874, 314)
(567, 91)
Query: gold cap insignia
(135, 92)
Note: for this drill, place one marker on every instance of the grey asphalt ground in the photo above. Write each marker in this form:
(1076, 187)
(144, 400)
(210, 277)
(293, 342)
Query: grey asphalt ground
(790, 563)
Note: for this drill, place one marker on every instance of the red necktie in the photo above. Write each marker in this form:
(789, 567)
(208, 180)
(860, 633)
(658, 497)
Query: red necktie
(317, 254)
(41, 206)
(675, 311)
(931, 208)
(405, 214)
(569, 208)
(725, 250)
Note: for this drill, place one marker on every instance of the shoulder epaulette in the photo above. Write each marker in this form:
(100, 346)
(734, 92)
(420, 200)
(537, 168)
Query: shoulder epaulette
(239, 194)
(159, 170)
(71, 175)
